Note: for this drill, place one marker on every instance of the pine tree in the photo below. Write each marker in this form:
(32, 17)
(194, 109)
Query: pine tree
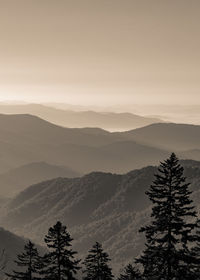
(130, 273)
(60, 263)
(196, 252)
(30, 260)
(167, 255)
(96, 264)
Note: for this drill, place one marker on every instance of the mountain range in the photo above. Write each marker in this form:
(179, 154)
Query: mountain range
(104, 207)
(42, 170)
(77, 119)
(25, 139)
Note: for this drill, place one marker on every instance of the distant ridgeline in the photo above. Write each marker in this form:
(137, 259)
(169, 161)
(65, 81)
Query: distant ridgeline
(80, 119)
(27, 141)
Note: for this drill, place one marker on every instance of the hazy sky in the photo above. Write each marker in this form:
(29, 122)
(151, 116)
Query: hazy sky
(100, 51)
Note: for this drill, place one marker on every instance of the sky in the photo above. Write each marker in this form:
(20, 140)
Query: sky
(100, 52)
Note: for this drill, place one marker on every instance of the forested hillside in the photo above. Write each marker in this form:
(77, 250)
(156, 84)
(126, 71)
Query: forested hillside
(99, 206)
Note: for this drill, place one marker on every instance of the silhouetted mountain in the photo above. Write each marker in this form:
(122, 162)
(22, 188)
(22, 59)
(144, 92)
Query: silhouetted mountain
(99, 206)
(15, 180)
(167, 136)
(25, 139)
(28, 128)
(68, 118)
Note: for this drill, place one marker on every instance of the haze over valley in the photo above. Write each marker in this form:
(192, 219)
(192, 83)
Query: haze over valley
(76, 119)
(49, 173)
(99, 140)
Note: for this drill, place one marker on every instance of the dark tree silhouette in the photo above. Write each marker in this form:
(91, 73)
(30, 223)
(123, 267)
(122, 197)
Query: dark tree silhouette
(3, 261)
(29, 260)
(59, 263)
(130, 273)
(196, 252)
(171, 233)
(96, 264)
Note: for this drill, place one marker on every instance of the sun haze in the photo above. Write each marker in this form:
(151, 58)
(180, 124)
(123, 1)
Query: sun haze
(100, 52)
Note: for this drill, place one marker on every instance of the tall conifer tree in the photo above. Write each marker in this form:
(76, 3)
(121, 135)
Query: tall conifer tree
(167, 255)
(96, 264)
(130, 273)
(196, 252)
(60, 263)
(30, 261)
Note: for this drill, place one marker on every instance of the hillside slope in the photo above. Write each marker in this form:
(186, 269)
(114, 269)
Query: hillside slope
(99, 206)
(25, 139)
(170, 136)
(15, 180)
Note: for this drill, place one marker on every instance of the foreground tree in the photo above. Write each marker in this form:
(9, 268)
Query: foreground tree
(196, 252)
(3, 261)
(60, 263)
(130, 273)
(96, 264)
(171, 233)
(30, 261)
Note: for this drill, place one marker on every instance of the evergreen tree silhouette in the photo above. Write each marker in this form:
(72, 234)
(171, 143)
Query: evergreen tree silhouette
(130, 273)
(59, 263)
(30, 261)
(196, 252)
(171, 232)
(96, 264)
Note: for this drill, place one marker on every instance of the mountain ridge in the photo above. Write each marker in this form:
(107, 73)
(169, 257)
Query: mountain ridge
(99, 206)
(26, 138)
(89, 118)
(15, 180)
